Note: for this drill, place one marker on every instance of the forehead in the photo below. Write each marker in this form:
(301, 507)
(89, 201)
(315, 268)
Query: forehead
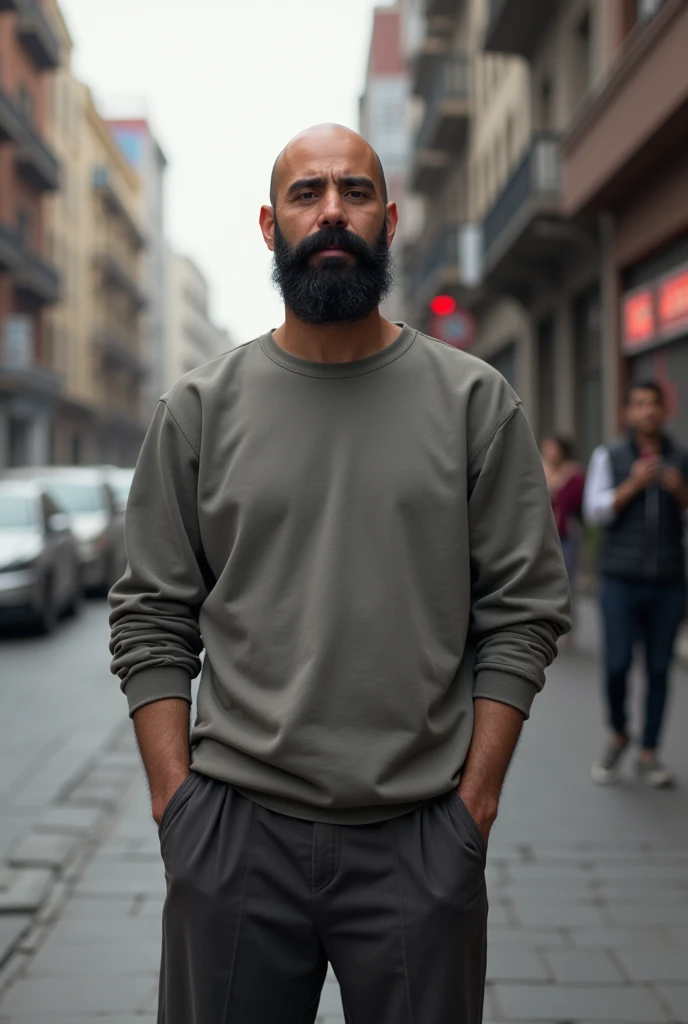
(330, 155)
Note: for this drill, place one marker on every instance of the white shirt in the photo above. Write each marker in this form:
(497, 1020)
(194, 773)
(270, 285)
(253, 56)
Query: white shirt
(598, 498)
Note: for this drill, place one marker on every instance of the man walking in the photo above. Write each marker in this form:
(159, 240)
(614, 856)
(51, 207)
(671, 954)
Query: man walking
(352, 520)
(637, 492)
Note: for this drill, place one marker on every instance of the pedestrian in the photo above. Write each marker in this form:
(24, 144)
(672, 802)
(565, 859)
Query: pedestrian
(637, 491)
(352, 519)
(565, 483)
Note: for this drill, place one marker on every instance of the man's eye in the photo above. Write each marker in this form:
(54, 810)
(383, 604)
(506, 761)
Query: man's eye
(356, 193)
(307, 195)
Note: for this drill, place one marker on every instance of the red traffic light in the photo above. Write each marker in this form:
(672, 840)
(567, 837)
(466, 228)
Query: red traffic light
(443, 305)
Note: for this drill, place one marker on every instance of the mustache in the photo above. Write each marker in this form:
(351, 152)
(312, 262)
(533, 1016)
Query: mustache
(330, 238)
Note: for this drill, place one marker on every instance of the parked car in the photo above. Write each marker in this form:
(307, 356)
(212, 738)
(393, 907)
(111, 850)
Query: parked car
(84, 492)
(120, 481)
(40, 574)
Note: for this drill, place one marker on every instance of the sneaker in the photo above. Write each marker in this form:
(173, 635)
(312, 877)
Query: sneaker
(606, 770)
(654, 774)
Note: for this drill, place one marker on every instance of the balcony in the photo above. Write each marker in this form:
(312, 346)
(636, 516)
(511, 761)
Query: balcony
(116, 350)
(518, 26)
(103, 184)
(33, 278)
(37, 34)
(36, 280)
(116, 274)
(523, 230)
(447, 106)
(36, 161)
(10, 119)
(444, 7)
(33, 379)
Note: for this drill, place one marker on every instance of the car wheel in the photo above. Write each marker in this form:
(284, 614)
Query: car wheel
(46, 620)
(77, 596)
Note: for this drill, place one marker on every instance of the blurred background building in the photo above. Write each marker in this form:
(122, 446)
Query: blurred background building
(192, 337)
(86, 349)
(550, 150)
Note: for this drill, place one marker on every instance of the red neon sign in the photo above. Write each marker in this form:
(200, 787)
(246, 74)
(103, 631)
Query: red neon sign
(639, 318)
(672, 304)
(443, 305)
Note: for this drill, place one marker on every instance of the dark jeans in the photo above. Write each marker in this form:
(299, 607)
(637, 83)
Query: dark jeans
(258, 903)
(651, 612)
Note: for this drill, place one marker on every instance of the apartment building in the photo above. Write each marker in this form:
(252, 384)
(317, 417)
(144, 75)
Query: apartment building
(383, 122)
(29, 282)
(574, 168)
(192, 337)
(97, 243)
(137, 142)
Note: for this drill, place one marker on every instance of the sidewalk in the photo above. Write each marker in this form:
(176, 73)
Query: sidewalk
(588, 888)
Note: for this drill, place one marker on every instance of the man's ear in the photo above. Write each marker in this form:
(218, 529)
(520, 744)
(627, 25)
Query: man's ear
(392, 218)
(266, 220)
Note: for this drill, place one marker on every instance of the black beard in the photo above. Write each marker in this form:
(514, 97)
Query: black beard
(334, 291)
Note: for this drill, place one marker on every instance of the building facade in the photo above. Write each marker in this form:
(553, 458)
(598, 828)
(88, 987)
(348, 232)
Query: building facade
(97, 244)
(192, 337)
(139, 145)
(574, 169)
(384, 123)
(29, 282)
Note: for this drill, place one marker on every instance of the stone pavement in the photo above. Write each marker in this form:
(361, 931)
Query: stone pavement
(588, 888)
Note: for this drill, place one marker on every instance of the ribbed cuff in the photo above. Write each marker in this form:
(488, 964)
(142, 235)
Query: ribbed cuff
(505, 688)
(153, 684)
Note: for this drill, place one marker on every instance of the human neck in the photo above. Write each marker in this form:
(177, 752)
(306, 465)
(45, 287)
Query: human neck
(644, 440)
(336, 343)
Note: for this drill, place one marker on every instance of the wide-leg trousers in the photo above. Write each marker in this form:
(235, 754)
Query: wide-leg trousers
(258, 903)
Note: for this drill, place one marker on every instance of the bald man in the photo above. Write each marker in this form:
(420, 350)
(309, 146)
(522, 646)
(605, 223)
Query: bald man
(352, 520)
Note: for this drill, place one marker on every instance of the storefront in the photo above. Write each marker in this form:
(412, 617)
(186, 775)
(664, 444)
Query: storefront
(654, 335)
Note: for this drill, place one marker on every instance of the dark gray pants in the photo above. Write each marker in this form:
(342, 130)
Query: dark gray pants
(258, 903)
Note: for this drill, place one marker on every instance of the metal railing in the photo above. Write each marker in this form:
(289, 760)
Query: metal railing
(35, 27)
(10, 118)
(451, 80)
(444, 251)
(537, 176)
(34, 151)
(31, 272)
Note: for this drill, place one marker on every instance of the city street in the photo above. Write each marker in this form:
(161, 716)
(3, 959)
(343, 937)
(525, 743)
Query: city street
(588, 886)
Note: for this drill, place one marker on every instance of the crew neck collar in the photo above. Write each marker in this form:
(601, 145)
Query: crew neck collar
(355, 368)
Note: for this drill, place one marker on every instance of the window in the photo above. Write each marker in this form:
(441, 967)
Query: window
(25, 103)
(546, 111)
(587, 331)
(24, 228)
(545, 376)
(583, 57)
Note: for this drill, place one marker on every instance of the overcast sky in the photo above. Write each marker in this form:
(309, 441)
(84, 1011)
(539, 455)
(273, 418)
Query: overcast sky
(227, 83)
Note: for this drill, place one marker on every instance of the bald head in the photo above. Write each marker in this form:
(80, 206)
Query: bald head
(315, 141)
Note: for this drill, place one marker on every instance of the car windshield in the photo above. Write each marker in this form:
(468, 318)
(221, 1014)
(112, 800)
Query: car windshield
(17, 512)
(121, 486)
(76, 497)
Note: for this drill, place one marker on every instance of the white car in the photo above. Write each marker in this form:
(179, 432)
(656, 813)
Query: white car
(85, 494)
(120, 481)
(40, 575)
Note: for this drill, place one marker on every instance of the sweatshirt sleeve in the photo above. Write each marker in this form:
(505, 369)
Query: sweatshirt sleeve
(156, 640)
(519, 589)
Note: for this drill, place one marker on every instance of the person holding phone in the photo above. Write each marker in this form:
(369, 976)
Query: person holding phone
(637, 491)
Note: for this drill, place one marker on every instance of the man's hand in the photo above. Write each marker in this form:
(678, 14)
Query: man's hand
(674, 482)
(162, 731)
(645, 472)
(495, 734)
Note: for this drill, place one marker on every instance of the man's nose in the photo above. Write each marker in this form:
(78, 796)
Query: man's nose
(333, 213)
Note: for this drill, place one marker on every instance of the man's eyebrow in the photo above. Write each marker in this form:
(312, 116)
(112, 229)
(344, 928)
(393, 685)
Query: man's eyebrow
(358, 181)
(348, 181)
(302, 183)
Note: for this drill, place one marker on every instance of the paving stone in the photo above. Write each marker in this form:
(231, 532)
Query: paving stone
(12, 927)
(47, 997)
(620, 938)
(43, 850)
(116, 878)
(125, 957)
(527, 937)
(70, 820)
(592, 967)
(509, 962)
(677, 936)
(23, 890)
(661, 873)
(533, 1003)
(105, 910)
(654, 965)
(85, 930)
(551, 914)
(540, 872)
(676, 998)
(330, 1001)
(650, 913)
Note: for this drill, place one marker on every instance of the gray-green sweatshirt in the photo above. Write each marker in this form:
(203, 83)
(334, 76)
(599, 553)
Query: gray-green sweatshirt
(361, 548)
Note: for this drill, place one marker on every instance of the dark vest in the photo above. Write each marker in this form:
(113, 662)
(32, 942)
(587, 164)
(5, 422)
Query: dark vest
(645, 541)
